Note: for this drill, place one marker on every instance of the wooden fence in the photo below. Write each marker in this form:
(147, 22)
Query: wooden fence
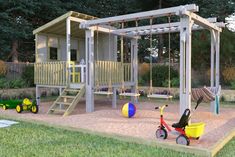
(15, 70)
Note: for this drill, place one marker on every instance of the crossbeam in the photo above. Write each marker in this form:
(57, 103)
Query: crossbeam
(201, 21)
(157, 26)
(159, 29)
(140, 15)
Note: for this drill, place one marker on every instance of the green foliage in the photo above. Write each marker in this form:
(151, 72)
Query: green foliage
(160, 75)
(28, 75)
(60, 142)
(175, 82)
(16, 83)
(233, 84)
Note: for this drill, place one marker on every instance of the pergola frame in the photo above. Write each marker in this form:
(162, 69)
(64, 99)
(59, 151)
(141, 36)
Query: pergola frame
(189, 21)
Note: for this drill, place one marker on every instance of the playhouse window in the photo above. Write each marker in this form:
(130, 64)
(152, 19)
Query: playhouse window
(73, 55)
(53, 53)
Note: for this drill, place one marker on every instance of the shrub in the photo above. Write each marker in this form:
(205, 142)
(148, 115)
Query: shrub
(3, 82)
(28, 75)
(18, 83)
(175, 82)
(228, 74)
(160, 75)
(233, 84)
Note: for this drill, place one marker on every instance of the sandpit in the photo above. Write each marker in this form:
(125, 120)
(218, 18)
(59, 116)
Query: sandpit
(143, 125)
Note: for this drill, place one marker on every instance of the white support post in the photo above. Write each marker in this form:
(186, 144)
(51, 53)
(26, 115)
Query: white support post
(217, 49)
(114, 101)
(68, 33)
(38, 94)
(185, 63)
(217, 71)
(89, 70)
(134, 67)
(213, 65)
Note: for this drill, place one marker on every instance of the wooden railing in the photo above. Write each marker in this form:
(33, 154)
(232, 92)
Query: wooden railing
(107, 72)
(56, 73)
(127, 72)
(51, 73)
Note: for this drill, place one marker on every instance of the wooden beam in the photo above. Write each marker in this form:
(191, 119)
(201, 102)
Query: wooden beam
(140, 15)
(201, 21)
(158, 29)
(89, 70)
(53, 22)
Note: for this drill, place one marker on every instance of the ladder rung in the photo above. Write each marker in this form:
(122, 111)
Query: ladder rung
(63, 103)
(67, 96)
(58, 110)
(72, 90)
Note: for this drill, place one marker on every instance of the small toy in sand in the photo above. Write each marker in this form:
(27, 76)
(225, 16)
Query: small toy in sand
(128, 110)
(27, 105)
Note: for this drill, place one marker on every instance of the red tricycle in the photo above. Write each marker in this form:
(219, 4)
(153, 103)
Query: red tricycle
(182, 129)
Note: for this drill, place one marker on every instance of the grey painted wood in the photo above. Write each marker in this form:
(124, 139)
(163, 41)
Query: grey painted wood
(89, 71)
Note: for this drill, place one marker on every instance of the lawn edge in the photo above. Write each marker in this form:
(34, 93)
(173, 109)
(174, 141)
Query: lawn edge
(160, 144)
(222, 142)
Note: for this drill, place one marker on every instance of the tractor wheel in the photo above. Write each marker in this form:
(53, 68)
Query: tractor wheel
(4, 107)
(183, 140)
(161, 133)
(19, 108)
(34, 109)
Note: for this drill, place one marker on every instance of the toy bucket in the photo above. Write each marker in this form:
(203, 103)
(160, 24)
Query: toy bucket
(195, 130)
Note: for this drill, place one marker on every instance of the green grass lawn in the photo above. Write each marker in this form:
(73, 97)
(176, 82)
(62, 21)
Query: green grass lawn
(32, 140)
(228, 150)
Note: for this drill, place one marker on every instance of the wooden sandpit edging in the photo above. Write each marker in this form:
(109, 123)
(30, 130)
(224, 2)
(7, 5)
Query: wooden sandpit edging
(222, 142)
(161, 144)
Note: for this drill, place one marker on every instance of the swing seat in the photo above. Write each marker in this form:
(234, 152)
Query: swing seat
(103, 93)
(160, 96)
(130, 94)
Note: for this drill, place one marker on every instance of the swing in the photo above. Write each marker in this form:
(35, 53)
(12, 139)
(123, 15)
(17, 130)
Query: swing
(151, 94)
(98, 90)
(123, 92)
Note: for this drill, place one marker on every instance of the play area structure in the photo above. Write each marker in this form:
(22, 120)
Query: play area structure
(77, 53)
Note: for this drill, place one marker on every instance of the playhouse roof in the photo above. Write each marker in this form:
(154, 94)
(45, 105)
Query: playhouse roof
(58, 25)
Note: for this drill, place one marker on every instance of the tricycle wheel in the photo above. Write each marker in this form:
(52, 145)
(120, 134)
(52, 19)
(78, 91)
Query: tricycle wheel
(19, 108)
(4, 107)
(183, 140)
(34, 109)
(161, 133)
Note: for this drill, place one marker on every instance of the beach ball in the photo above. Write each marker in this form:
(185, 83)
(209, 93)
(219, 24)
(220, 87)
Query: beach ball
(128, 110)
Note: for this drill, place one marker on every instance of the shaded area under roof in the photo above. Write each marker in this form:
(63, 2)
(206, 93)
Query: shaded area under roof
(58, 25)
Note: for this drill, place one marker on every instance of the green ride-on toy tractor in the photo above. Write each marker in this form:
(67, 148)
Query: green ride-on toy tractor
(9, 104)
(27, 105)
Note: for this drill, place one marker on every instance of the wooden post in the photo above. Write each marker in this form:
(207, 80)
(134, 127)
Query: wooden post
(114, 101)
(185, 63)
(134, 67)
(68, 33)
(38, 95)
(213, 65)
(217, 67)
(89, 70)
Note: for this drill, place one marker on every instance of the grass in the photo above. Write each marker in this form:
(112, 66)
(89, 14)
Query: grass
(228, 150)
(34, 140)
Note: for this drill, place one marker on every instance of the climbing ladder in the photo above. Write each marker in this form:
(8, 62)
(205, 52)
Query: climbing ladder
(67, 101)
